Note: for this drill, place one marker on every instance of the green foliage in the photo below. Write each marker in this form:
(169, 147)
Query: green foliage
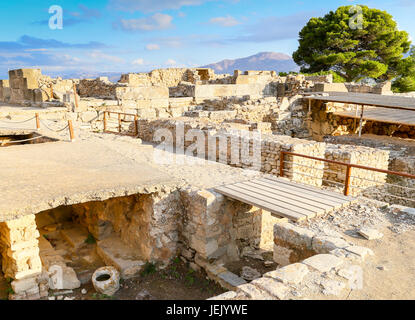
(336, 77)
(190, 280)
(101, 296)
(284, 74)
(406, 81)
(149, 268)
(90, 239)
(373, 51)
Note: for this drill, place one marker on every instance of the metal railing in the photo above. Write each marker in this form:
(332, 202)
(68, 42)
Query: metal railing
(348, 166)
(121, 117)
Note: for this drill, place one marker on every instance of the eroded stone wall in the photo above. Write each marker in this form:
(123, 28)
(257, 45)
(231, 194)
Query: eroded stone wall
(360, 179)
(19, 247)
(148, 223)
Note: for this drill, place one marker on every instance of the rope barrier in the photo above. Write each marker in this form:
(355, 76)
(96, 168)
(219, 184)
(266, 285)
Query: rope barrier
(18, 121)
(20, 141)
(59, 130)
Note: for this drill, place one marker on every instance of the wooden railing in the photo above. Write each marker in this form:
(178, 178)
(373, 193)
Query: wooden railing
(107, 115)
(348, 166)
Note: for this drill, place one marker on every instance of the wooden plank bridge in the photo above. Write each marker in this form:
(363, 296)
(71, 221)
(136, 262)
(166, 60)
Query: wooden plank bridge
(285, 199)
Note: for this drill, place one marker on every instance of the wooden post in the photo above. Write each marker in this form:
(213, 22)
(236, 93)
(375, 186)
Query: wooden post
(361, 122)
(136, 124)
(75, 97)
(105, 121)
(347, 181)
(119, 123)
(281, 163)
(71, 134)
(37, 121)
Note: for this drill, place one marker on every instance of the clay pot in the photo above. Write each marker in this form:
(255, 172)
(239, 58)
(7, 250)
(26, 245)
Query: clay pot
(106, 280)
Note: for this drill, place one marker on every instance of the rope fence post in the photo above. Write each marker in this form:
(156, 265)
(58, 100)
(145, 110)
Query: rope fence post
(71, 133)
(105, 121)
(37, 121)
(119, 123)
(136, 124)
(75, 96)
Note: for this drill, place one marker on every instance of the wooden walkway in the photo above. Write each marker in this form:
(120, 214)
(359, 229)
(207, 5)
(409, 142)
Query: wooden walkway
(376, 100)
(285, 199)
(382, 115)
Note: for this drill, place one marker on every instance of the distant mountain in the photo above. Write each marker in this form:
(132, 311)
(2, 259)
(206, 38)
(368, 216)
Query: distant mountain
(112, 76)
(279, 62)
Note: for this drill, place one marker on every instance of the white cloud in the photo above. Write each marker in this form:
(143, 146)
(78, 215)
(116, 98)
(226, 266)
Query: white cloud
(171, 62)
(158, 21)
(152, 47)
(227, 21)
(152, 5)
(99, 55)
(277, 27)
(138, 62)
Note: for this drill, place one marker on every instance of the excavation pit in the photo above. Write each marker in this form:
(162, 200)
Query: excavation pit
(7, 140)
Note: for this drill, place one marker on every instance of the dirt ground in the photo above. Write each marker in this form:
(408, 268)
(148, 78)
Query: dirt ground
(177, 282)
(390, 274)
(236, 267)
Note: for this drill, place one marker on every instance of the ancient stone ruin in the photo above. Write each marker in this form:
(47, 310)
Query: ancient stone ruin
(112, 203)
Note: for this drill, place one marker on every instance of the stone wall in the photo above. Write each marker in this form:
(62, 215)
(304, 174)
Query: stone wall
(202, 92)
(138, 97)
(365, 156)
(219, 228)
(97, 88)
(5, 91)
(323, 122)
(148, 223)
(170, 77)
(19, 248)
(384, 88)
(240, 145)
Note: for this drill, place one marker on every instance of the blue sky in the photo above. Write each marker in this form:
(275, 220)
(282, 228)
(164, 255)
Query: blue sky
(140, 35)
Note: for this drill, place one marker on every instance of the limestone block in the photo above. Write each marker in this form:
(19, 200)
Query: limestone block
(225, 296)
(297, 236)
(230, 280)
(290, 274)
(254, 292)
(20, 286)
(119, 255)
(282, 255)
(323, 262)
(360, 251)
(271, 286)
(327, 87)
(324, 244)
(142, 93)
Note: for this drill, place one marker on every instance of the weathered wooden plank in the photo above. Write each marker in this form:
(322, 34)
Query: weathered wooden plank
(280, 204)
(376, 100)
(311, 188)
(246, 198)
(280, 200)
(309, 194)
(287, 197)
(382, 115)
(295, 196)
